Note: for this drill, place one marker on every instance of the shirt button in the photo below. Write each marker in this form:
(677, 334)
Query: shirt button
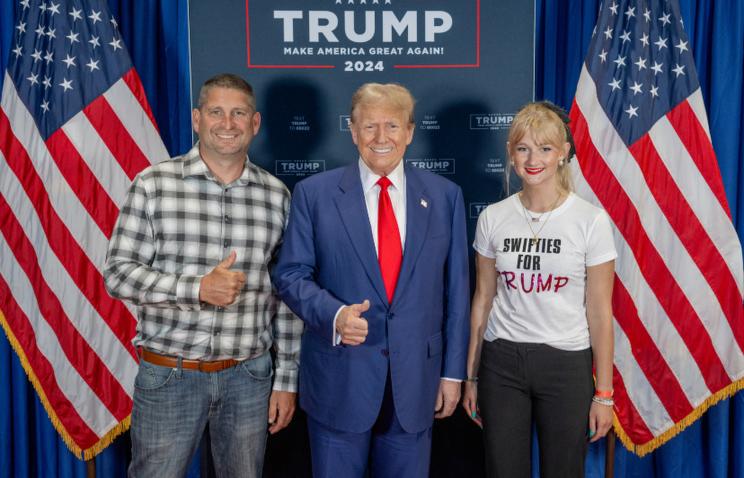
(389, 316)
(220, 308)
(227, 218)
(226, 243)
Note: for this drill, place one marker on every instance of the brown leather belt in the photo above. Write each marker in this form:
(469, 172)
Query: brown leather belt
(172, 362)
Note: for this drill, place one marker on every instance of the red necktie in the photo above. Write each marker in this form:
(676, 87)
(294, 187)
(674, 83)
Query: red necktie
(390, 252)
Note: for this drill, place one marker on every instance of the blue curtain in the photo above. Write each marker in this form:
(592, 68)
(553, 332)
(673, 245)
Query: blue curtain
(156, 34)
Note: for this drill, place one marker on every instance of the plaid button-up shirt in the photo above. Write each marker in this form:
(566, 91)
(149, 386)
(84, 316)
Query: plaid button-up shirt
(177, 224)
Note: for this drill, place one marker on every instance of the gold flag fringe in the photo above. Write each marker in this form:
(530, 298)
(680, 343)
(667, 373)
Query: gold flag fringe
(84, 454)
(646, 448)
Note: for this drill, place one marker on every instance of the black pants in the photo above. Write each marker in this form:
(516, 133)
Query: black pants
(519, 383)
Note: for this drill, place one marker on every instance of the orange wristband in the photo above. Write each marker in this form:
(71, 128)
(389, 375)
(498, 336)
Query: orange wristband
(603, 393)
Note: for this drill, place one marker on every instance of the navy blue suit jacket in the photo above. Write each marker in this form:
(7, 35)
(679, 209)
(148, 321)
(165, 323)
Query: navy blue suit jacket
(328, 259)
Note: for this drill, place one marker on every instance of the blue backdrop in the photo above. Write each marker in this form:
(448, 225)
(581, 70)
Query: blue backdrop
(156, 35)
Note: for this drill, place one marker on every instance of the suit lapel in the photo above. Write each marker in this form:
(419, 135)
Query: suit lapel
(353, 212)
(418, 206)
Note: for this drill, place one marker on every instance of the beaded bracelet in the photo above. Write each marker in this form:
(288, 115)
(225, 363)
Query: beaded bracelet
(472, 379)
(603, 401)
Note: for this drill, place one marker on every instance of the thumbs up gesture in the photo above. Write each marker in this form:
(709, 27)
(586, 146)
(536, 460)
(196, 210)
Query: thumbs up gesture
(222, 286)
(351, 325)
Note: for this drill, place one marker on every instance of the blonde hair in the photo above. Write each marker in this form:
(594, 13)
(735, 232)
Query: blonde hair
(389, 94)
(548, 124)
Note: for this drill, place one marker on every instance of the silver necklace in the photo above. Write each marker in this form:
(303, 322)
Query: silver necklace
(529, 219)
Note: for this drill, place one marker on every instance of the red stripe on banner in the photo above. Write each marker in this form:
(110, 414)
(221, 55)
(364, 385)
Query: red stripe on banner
(623, 213)
(65, 247)
(691, 233)
(77, 350)
(698, 145)
(661, 378)
(43, 371)
(627, 414)
(116, 136)
(132, 79)
(83, 182)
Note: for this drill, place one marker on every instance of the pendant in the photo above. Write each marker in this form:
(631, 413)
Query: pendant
(533, 241)
(535, 219)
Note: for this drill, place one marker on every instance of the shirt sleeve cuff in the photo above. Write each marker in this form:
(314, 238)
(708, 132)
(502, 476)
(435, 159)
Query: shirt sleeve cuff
(285, 379)
(336, 338)
(187, 292)
(458, 380)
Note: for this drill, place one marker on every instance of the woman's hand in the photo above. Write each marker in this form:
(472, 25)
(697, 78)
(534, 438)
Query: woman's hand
(600, 421)
(470, 402)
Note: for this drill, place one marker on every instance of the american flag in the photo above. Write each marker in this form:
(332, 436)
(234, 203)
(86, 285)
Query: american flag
(75, 128)
(645, 154)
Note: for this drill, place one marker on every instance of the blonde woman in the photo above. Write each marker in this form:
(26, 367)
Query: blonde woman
(541, 316)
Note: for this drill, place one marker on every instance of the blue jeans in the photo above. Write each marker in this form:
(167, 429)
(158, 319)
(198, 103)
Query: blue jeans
(172, 406)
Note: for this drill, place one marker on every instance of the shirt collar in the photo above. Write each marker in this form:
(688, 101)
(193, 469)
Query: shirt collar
(193, 165)
(369, 179)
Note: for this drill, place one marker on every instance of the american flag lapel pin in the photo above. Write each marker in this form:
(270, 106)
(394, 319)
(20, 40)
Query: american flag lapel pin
(424, 203)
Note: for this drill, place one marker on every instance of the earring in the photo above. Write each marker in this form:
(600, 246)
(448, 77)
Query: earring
(560, 162)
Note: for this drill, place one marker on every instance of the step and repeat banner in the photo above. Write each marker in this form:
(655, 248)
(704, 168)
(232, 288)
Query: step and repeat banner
(468, 63)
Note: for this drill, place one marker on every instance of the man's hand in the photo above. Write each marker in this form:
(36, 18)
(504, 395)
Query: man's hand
(281, 409)
(222, 286)
(447, 398)
(351, 325)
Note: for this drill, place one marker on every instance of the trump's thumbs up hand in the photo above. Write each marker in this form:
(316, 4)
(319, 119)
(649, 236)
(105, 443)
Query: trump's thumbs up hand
(351, 325)
(222, 286)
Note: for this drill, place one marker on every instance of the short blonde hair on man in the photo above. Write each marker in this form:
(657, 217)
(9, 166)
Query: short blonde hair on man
(547, 126)
(393, 95)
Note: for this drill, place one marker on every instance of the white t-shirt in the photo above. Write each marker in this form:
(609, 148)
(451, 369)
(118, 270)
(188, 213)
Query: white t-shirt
(540, 292)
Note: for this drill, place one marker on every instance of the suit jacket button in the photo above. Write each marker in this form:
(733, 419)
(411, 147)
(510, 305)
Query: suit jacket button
(385, 352)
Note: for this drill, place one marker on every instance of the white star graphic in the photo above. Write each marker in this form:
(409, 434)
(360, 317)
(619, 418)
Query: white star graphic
(678, 70)
(40, 30)
(73, 37)
(45, 106)
(36, 55)
(363, 2)
(375, 2)
(615, 84)
(630, 12)
(647, 15)
(637, 90)
(114, 22)
(18, 51)
(49, 57)
(338, 2)
(95, 16)
(644, 39)
(625, 36)
(115, 44)
(641, 63)
(34, 79)
(613, 7)
(50, 32)
(631, 111)
(682, 45)
(47, 82)
(24, 4)
(75, 14)
(43, 7)
(54, 8)
(608, 33)
(93, 65)
(661, 43)
(21, 27)
(387, 2)
(657, 68)
(594, 31)
(94, 41)
(66, 84)
(654, 91)
(620, 61)
(69, 61)
(664, 19)
(603, 56)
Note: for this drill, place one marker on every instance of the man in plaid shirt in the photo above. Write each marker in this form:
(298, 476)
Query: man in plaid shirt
(192, 249)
